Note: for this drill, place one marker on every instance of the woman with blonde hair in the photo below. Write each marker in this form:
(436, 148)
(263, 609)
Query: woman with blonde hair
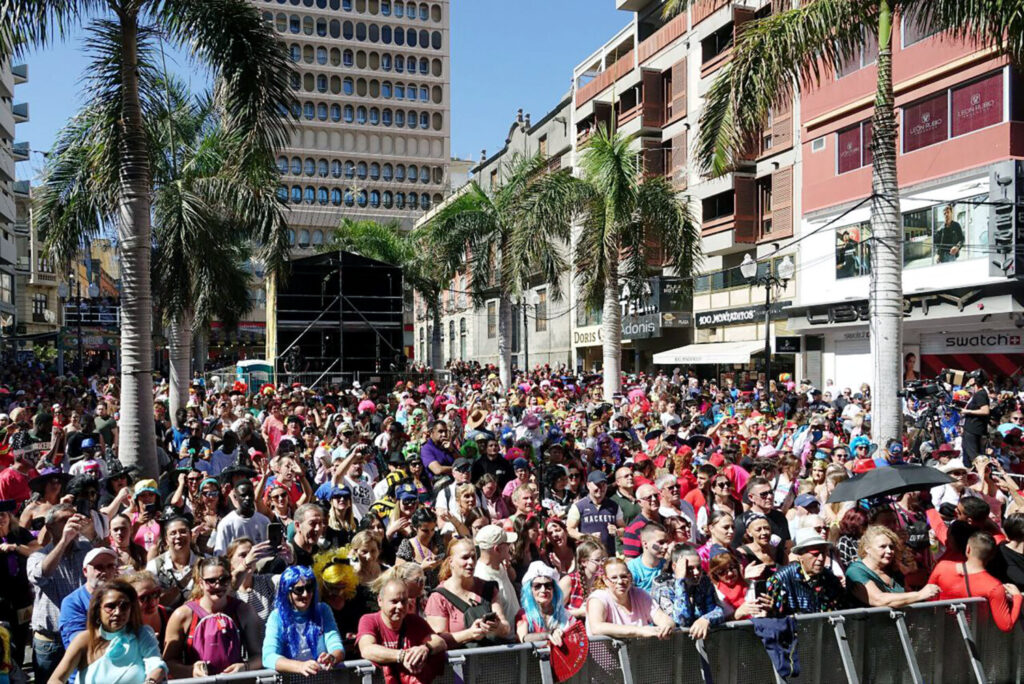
(618, 609)
(874, 580)
(460, 591)
(115, 646)
(577, 585)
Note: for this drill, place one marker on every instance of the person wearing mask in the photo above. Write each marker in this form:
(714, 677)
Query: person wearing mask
(115, 645)
(55, 571)
(685, 593)
(100, 566)
(243, 521)
(648, 565)
(596, 514)
(302, 637)
(400, 642)
(805, 586)
(494, 544)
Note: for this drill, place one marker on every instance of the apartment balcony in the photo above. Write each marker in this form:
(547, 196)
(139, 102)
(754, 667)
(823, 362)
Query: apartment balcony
(729, 222)
(631, 5)
(602, 81)
(92, 313)
(8, 210)
(24, 265)
(6, 166)
(20, 151)
(6, 81)
(663, 37)
(20, 228)
(20, 73)
(6, 122)
(22, 188)
(43, 278)
(20, 112)
(45, 316)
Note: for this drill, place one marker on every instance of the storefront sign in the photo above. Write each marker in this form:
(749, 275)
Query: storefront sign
(675, 320)
(986, 342)
(852, 312)
(641, 327)
(589, 336)
(1006, 236)
(749, 314)
(787, 345)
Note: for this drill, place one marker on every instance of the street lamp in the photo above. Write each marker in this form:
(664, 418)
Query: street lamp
(530, 298)
(768, 281)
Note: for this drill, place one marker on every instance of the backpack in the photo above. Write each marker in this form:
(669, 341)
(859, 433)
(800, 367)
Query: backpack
(473, 612)
(215, 637)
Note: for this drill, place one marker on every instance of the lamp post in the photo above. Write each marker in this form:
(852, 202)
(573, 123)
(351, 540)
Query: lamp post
(768, 281)
(529, 299)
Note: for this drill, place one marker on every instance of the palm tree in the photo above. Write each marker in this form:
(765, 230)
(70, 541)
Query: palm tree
(387, 242)
(800, 46)
(506, 238)
(623, 218)
(251, 73)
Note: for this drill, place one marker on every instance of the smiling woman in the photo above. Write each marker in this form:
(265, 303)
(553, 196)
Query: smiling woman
(302, 636)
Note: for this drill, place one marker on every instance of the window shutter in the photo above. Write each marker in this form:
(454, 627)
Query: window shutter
(745, 209)
(782, 203)
(677, 163)
(678, 90)
(782, 126)
(653, 158)
(654, 98)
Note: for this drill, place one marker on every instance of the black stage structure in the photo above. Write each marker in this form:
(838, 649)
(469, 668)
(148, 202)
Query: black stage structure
(340, 313)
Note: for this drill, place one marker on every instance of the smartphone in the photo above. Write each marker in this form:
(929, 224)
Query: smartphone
(490, 617)
(275, 534)
(82, 507)
(152, 508)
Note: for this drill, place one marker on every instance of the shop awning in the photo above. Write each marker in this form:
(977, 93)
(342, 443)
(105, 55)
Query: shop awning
(713, 352)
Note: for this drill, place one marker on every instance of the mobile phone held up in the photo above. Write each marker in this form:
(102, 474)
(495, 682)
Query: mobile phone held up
(275, 534)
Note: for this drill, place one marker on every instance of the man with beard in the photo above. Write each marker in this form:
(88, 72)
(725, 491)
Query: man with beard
(244, 521)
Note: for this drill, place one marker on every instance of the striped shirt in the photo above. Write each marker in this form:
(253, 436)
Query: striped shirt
(631, 547)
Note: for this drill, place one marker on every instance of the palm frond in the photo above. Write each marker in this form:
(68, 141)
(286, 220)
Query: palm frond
(25, 24)
(997, 23)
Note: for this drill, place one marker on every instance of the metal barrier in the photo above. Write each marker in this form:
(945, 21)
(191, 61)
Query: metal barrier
(927, 642)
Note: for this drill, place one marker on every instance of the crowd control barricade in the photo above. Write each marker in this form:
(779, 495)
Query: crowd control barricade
(937, 641)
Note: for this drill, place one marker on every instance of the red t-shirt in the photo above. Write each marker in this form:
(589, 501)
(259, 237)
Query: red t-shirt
(417, 631)
(695, 497)
(949, 577)
(14, 485)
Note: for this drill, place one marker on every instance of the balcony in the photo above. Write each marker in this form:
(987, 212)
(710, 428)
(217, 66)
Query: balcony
(20, 228)
(43, 278)
(20, 112)
(44, 316)
(20, 73)
(6, 166)
(6, 122)
(644, 102)
(631, 5)
(24, 265)
(729, 218)
(604, 80)
(100, 313)
(22, 188)
(662, 38)
(6, 81)
(8, 210)
(20, 151)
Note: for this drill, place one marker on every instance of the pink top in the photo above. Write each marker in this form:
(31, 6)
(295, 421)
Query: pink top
(641, 615)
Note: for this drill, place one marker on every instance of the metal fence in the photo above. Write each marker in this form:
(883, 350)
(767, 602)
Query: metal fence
(929, 642)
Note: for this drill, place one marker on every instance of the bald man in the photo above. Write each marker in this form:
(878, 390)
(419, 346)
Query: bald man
(421, 653)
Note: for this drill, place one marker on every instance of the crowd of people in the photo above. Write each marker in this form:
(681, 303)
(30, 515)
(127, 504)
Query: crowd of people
(294, 528)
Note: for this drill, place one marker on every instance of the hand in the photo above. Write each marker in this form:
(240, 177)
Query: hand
(234, 667)
(612, 529)
(954, 251)
(326, 660)
(430, 563)
(699, 629)
(929, 592)
(754, 571)
(661, 632)
(1011, 589)
(309, 668)
(478, 630)
(199, 668)
(416, 657)
(556, 638)
(8, 548)
(73, 528)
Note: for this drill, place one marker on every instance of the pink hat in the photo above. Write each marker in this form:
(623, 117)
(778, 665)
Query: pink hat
(367, 405)
(767, 451)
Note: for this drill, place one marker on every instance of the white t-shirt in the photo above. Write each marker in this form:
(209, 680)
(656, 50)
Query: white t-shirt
(234, 526)
(362, 496)
(506, 592)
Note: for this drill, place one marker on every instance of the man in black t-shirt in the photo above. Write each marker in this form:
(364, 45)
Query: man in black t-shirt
(976, 415)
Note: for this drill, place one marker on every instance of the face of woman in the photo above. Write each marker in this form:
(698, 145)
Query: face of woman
(556, 534)
(723, 530)
(415, 468)
(479, 524)
(115, 609)
(193, 480)
(179, 536)
(466, 501)
(619, 579)
(881, 550)
(427, 529)
(149, 596)
(818, 473)
(533, 534)
(543, 589)
(760, 531)
(721, 487)
(211, 494)
(463, 561)
(279, 499)
(120, 533)
(731, 574)
(146, 498)
(687, 567)
(52, 490)
(489, 489)
(5, 522)
(367, 554)
(301, 595)
(341, 503)
(238, 557)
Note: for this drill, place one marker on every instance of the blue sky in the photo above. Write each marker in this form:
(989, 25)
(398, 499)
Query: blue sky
(505, 55)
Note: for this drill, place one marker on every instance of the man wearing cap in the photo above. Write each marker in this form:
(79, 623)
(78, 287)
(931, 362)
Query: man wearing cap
(803, 506)
(952, 492)
(462, 473)
(805, 586)
(100, 565)
(596, 514)
(55, 571)
(494, 545)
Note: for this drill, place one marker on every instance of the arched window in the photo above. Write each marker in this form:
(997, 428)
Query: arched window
(385, 35)
(336, 197)
(321, 112)
(399, 9)
(385, 117)
(425, 67)
(335, 28)
(361, 115)
(386, 90)
(424, 120)
(361, 32)
(348, 31)
(321, 28)
(399, 200)
(462, 335)
(410, 38)
(399, 91)
(349, 200)
(374, 198)
(425, 201)
(414, 201)
(348, 86)
(291, 236)
(321, 55)
(388, 199)
(388, 172)
(321, 196)
(385, 8)
(399, 62)
(374, 116)
(321, 168)
(400, 173)
(296, 194)
(385, 62)
(308, 110)
(318, 237)
(399, 35)
(347, 58)
(451, 339)
(321, 83)
(335, 113)
(361, 198)
(295, 51)
(350, 170)
(399, 118)
(349, 114)
(435, 40)
(309, 197)
(411, 119)
(296, 166)
(303, 238)
(361, 170)
(294, 24)
(413, 172)
(336, 168)
(282, 164)
(374, 170)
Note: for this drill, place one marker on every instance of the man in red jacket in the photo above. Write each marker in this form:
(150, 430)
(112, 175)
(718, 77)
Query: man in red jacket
(969, 578)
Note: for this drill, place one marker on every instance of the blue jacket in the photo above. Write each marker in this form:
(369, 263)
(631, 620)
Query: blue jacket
(74, 613)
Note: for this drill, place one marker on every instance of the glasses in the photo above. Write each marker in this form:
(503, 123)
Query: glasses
(211, 494)
(218, 581)
(820, 529)
(543, 586)
(302, 589)
(722, 485)
(150, 596)
(574, 476)
(117, 606)
(194, 479)
(762, 495)
(1017, 419)
(673, 488)
(652, 497)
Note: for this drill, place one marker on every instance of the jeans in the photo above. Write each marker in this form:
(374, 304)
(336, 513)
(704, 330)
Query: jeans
(46, 656)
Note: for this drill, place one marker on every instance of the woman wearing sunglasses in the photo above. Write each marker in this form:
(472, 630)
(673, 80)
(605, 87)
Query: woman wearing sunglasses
(153, 614)
(302, 636)
(543, 617)
(115, 646)
(192, 650)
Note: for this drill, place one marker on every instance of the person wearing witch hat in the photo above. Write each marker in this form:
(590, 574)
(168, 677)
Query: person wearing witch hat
(47, 489)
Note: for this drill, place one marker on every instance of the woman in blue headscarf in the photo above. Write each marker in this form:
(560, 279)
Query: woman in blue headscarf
(302, 636)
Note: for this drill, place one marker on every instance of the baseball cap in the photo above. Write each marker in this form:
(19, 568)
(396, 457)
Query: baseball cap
(96, 553)
(805, 500)
(462, 464)
(520, 464)
(597, 477)
(406, 492)
(490, 536)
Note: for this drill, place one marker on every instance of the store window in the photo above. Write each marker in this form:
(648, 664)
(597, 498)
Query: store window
(926, 123)
(944, 233)
(492, 320)
(977, 105)
(853, 250)
(853, 147)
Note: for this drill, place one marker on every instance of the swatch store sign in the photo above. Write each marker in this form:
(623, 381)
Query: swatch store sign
(999, 352)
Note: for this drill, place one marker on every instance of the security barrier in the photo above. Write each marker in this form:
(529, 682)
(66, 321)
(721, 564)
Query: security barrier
(928, 642)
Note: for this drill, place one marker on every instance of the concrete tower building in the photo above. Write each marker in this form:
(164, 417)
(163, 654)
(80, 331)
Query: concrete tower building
(372, 93)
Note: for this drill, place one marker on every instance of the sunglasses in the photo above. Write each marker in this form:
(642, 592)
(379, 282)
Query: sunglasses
(815, 552)
(150, 596)
(211, 494)
(302, 589)
(574, 476)
(722, 485)
(219, 581)
(652, 497)
(117, 606)
(543, 586)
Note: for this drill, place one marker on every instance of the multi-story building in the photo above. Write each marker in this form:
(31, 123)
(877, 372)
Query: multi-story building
(650, 80)
(11, 190)
(541, 326)
(372, 112)
(961, 178)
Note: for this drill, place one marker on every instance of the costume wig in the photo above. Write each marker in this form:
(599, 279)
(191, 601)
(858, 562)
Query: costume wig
(534, 618)
(294, 634)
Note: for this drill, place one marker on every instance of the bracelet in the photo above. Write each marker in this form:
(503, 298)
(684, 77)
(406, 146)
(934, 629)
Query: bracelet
(401, 655)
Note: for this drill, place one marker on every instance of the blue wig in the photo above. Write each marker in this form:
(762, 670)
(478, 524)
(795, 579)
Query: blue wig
(313, 630)
(534, 618)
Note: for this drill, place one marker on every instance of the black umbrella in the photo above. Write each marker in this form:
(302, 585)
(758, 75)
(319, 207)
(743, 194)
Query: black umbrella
(894, 479)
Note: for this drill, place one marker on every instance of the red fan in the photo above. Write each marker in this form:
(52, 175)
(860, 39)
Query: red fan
(568, 659)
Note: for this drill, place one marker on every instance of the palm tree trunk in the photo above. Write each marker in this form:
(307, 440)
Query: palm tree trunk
(436, 362)
(179, 348)
(886, 288)
(611, 331)
(504, 335)
(137, 441)
(202, 349)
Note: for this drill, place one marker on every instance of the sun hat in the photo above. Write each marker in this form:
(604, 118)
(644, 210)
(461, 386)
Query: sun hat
(490, 536)
(143, 486)
(539, 569)
(808, 538)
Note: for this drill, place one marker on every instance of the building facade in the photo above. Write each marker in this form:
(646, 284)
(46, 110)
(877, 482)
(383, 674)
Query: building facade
(11, 190)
